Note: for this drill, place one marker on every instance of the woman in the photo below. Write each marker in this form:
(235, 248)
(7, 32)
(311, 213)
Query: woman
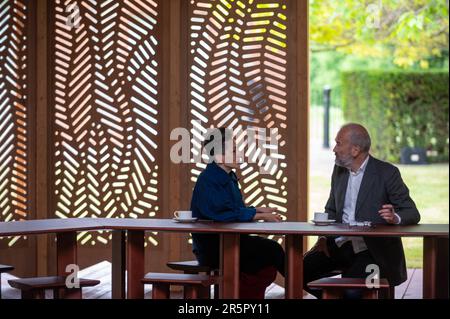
(217, 197)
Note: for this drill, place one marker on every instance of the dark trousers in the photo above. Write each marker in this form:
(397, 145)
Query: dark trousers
(256, 253)
(317, 265)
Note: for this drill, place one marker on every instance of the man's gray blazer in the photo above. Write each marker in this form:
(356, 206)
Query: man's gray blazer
(381, 184)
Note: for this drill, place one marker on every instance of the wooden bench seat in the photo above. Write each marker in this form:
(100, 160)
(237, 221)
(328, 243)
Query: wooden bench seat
(193, 267)
(34, 288)
(195, 285)
(334, 288)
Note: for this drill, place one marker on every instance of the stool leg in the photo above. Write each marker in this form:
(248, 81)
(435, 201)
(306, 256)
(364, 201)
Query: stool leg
(331, 294)
(216, 291)
(72, 293)
(216, 286)
(392, 292)
(387, 293)
(204, 292)
(40, 294)
(27, 295)
(33, 294)
(191, 291)
(370, 294)
(161, 291)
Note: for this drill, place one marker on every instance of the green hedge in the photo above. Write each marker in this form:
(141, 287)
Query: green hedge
(400, 108)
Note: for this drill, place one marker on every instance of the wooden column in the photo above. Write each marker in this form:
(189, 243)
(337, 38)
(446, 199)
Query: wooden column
(302, 120)
(435, 268)
(118, 264)
(294, 267)
(298, 110)
(298, 114)
(41, 133)
(66, 251)
(171, 117)
(229, 266)
(182, 73)
(135, 264)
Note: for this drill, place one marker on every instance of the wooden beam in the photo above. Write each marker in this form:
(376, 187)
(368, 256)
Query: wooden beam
(294, 267)
(229, 265)
(66, 251)
(66, 254)
(435, 268)
(302, 155)
(303, 107)
(135, 264)
(171, 114)
(118, 264)
(42, 132)
(298, 110)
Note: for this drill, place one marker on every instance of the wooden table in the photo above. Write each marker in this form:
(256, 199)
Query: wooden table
(128, 251)
(66, 235)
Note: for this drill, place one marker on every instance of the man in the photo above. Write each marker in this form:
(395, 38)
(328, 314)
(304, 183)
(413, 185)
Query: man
(363, 188)
(217, 197)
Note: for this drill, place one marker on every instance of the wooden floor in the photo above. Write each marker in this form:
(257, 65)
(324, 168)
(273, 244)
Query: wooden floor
(411, 289)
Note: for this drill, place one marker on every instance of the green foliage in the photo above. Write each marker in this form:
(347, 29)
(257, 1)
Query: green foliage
(326, 70)
(400, 109)
(410, 32)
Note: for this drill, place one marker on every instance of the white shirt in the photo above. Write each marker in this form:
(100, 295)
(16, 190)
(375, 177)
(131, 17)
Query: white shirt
(351, 195)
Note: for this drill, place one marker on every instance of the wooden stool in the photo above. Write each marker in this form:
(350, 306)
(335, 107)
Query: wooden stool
(4, 268)
(192, 267)
(193, 284)
(333, 288)
(388, 293)
(34, 288)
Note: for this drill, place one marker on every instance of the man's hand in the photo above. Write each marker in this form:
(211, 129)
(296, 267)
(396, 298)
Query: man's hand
(387, 212)
(321, 246)
(267, 214)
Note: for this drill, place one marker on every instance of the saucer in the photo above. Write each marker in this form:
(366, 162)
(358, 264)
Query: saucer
(185, 220)
(323, 222)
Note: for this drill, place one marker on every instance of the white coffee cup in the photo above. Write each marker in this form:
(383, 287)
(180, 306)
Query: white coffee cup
(321, 217)
(183, 214)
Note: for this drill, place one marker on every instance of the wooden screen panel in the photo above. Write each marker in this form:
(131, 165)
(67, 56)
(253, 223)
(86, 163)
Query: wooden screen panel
(15, 113)
(237, 79)
(107, 112)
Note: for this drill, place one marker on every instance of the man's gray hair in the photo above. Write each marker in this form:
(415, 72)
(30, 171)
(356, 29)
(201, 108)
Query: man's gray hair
(358, 136)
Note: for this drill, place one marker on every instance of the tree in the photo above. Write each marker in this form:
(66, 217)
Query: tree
(410, 31)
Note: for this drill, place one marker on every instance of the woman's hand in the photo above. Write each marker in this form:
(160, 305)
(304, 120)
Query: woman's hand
(266, 210)
(267, 214)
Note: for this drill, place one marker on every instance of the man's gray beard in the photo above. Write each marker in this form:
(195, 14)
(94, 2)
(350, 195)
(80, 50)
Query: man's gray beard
(343, 163)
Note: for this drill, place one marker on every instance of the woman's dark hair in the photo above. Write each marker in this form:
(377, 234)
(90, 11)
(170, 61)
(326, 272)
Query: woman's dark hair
(216, 139)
